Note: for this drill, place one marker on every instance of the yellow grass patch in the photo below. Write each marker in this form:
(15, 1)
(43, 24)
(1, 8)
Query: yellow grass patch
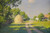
(44, 24)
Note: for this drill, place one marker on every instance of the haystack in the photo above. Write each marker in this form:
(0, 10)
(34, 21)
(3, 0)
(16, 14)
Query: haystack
(18, 19)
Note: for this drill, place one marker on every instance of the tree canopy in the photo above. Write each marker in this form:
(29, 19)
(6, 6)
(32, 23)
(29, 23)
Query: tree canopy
(34, 18)
(5, 9)
(48, 13)
(40, 16)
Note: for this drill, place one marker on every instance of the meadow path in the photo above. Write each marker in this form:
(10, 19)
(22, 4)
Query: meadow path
(28, 30)
(35, 29)
(38, 31)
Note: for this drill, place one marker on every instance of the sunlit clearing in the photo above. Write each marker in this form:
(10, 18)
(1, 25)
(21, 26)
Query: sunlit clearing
(15, 29)
(14, 26)
(44, 24)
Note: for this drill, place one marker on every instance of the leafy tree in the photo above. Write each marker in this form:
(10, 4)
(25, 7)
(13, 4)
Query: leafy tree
(5, 12)
(2, 20)
(14, 12)
(40, 16)
(48, 13)
(49, 17)
(8, 2)
(4, 3)
(25, 17)
(34, 18)
(22, 13)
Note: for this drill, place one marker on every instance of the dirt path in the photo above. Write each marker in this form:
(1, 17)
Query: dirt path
(38, 31)
(28, 30)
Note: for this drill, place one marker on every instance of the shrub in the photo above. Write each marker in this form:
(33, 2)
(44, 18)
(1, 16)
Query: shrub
(45, 19)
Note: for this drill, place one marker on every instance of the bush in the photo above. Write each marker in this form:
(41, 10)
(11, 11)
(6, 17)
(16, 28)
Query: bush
(2, 20)
(45, 19)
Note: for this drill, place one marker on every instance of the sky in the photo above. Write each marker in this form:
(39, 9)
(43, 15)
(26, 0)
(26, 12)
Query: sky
(35, 7)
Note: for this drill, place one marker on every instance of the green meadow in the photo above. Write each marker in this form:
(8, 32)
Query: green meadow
(14, 28)
(43, 26)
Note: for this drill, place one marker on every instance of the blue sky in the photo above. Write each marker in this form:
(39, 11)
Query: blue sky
(34, 7)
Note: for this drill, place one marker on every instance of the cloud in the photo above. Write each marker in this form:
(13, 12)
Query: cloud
(31, 1)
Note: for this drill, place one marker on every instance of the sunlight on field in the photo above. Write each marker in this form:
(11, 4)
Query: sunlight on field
(45, 24)
(16, 26)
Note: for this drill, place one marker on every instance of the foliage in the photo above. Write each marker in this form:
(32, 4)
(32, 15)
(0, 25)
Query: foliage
(49, 17)
(40, 16)
(25, 17)
(45, 19)
(8, 2)
(22, 13)
(34, 18)
(5, 10)
(1, 19)
(14, 12)
(48, 13)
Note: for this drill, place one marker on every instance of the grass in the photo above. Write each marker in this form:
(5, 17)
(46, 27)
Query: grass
(14, 28)
(43, 26)
(32, 30)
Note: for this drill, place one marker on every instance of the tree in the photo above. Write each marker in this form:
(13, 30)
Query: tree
(49, 17)
(4, 6)
(14, 12)
(25, 17)
(34, 18)
(22, 13)
(5, 12)
(40, 16)
(2, 20)
(48, 13)
(4, 3)
(8, 2)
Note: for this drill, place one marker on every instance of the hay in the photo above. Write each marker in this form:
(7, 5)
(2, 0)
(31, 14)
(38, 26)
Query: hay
(18, 19)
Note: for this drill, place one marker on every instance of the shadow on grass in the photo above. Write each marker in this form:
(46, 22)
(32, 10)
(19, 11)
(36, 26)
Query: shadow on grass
(33, 31)
(14, 29)
(22, 30)
(17, 25)
(43, 29)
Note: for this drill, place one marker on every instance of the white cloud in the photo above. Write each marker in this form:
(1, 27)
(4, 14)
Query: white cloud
(31, 1)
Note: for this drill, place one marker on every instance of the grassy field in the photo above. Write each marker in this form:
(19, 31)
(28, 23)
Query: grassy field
(44, 26)
(14, 28)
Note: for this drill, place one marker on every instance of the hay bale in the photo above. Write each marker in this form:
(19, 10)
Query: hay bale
(18, 19)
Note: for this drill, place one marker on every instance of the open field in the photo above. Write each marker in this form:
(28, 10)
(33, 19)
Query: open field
(21, 28)
(14, 28)
(43, 26)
